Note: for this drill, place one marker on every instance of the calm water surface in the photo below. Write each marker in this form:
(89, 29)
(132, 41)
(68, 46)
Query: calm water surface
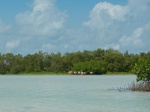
(70, 94)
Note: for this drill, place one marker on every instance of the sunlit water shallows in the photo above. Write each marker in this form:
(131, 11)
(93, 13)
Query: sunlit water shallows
(70, 94)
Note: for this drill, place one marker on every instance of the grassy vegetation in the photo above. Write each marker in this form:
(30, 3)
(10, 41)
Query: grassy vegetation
(38, 73)
(45, 73)
(142, 86)
(66, 73)
(118, 73)
(136, 86)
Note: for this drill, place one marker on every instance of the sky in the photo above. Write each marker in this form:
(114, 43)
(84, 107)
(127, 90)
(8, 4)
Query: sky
(29, 26)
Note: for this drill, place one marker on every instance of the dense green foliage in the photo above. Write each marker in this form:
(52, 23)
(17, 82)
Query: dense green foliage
(142, 70)
(98, 61)
(142, 67)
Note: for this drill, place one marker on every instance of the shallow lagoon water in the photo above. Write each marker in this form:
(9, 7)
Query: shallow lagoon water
(70, 94)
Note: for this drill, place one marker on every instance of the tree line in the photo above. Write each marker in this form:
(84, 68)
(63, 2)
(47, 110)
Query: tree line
(99, 61)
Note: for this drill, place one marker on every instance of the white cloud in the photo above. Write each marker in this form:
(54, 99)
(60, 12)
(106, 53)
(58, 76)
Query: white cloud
(103, 14)
(139, 6)
(138, 39)
(35, 29)
(43, 20)
(133, 39)
(121, 27)
(39, 28)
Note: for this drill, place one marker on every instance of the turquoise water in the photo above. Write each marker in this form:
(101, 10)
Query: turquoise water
(70, 94)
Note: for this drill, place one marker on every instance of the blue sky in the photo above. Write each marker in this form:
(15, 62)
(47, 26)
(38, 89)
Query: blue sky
(78, 10)
(27, 26)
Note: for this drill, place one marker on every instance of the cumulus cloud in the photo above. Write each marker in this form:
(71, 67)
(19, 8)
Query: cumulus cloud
(104, 13)
(43, 20)
(121, 27)
(133, 39)
(37, 29)
(41, 27)
(138, 40)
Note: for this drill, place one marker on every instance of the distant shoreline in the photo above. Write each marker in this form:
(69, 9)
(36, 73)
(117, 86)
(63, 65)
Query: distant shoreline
(65, 73)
